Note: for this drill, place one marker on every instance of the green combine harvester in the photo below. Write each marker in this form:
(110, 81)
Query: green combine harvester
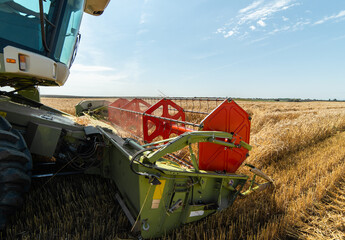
(157, 190)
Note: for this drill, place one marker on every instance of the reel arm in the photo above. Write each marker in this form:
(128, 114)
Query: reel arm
(189, 138)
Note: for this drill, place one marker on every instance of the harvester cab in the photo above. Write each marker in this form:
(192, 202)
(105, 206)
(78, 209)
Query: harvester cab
(176, 171)
(39, 41)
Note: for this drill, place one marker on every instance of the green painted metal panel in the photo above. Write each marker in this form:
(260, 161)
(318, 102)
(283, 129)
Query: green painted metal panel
(2, 63)
(42, 139)
(167, 196)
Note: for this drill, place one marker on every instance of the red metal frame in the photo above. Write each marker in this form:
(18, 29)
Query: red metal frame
(154, 127)
(131, 121)
(231, 118)
(154, 123)
(128, 120)
(114, 115)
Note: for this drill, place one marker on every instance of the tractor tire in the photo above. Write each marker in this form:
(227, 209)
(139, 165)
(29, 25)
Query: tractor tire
(15, 170)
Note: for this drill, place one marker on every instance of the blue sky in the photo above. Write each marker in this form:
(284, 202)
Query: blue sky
(260, 48)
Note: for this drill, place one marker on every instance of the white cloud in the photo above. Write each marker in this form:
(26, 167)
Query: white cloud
(334, 16)
(221, 30)
(261, 23)
(266, 10)
(258, 12)
(276, 30)
(268, 17)
(92, 84)
(250, 7)
(229, 34)
(300, 24)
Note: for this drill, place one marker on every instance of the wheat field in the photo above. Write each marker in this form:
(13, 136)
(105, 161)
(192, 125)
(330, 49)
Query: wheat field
(301, 145)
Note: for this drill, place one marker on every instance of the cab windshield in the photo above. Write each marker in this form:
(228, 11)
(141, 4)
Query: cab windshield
(21, 26)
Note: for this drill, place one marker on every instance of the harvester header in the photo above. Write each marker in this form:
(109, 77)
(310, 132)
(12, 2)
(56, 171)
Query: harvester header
(165, 119)
(176, 165)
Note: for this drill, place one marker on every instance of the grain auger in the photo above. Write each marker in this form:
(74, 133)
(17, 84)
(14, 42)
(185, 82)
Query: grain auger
(182, 171)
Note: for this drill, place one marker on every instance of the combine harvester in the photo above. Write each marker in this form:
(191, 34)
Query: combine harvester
(180, 173)
(158, 189)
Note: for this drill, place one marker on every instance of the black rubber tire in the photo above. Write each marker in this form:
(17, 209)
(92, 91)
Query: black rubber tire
(15, 170)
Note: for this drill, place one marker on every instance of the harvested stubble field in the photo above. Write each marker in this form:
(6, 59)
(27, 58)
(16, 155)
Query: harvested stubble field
(300, 145)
